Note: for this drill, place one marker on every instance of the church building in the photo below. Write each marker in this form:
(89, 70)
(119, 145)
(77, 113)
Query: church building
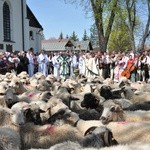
(19, 28)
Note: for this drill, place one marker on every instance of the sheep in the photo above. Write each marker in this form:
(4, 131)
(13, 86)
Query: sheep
(11, 116)
(98, 138)
(35, 95)
(93, 102)
(17, 85)
(76, 146)
(51, 78)
(105, 92)
(31, 111)
(130, 132)
(44, 85)
(82, 125)
(2, 93)
(129, 94)
(34, 136)
(116, 113)
(101, 134)
(10, 97)
(137, 131)
(138, 106)
(39, 76)
(55, 104)
(49, 108)
(9, 139)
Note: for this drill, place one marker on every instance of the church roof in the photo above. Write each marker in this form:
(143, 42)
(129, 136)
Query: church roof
(33, 22)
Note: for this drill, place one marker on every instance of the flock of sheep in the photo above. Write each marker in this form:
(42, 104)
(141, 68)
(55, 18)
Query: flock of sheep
(73, 114)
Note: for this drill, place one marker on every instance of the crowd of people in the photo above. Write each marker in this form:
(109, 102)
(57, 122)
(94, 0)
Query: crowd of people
(133, 65)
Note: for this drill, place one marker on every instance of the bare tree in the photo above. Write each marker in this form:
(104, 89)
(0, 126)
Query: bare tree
(147, 31)
(131, 14)
(98, 7)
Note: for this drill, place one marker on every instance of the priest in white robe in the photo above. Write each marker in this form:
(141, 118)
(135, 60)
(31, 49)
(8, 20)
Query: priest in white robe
(43, 63)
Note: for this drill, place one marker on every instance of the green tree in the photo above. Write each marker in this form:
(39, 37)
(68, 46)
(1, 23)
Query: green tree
(85, 37)
(61, 36)
(67, 37)
(94, 36)
(74, 36)
(104, 14)
(120, 38)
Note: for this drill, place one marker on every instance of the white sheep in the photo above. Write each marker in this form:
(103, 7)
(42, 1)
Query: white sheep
(124, 132)
(11, 117)
(98, 138)
(75, 146)
(34, 136)
(17, 85)
(9, 139)
(129, 94)
(82, 125)
(129, 132)
(68, 145)
(116, 113)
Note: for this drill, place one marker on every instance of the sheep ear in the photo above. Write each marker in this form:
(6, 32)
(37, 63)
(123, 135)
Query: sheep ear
(108, 139)
(90, 130)
(26, 110)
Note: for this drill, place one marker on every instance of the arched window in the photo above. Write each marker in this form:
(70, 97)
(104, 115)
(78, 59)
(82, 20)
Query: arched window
(6, 22)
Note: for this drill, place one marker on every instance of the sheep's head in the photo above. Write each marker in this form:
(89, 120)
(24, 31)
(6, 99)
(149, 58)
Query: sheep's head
(90, 101)
(105, 92)
(32, 113)
(10, 97)
(45, 96)
(128, 92)
(99, 137)
(44, 85)
(112, 114)
(55, 104)
(71, 117)
(17, 116)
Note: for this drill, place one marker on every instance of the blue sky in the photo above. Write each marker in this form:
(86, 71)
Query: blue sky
(55, 16)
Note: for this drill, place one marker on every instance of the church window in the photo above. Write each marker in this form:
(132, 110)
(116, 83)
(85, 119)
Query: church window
(31, 35)
(6, 22)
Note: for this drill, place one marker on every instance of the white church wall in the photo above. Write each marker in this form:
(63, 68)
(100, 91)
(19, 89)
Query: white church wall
(35, 41)
(16, 27)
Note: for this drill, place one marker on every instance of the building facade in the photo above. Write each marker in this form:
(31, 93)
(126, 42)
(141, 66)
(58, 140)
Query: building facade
(19, 28)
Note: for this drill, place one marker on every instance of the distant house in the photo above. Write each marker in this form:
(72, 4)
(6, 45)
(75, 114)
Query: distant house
(54, 45)
(82, 45)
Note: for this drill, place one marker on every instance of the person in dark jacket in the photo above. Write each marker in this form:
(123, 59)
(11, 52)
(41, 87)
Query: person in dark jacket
(23, 64)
